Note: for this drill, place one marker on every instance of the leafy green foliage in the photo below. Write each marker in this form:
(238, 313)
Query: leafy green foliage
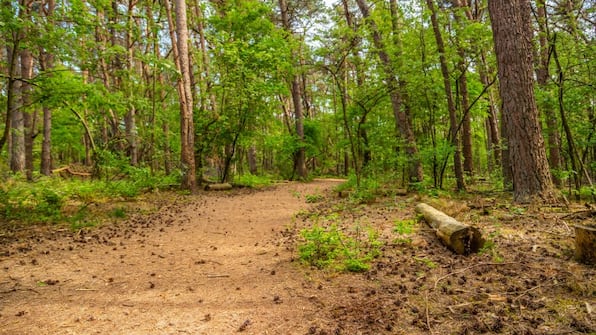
(329, 247)
(313, 198)
(252, 181)
(404, 227)
(51, 200)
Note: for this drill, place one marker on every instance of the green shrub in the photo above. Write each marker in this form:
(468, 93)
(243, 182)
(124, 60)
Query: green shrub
(404, 227)
(331, 248)
(313, 198)
(252, 181)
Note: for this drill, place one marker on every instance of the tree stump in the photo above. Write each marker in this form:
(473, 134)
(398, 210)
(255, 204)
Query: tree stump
(459, 237)
(585, 244)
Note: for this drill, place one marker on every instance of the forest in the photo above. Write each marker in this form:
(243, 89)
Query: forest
(383, 92)
(124, 112)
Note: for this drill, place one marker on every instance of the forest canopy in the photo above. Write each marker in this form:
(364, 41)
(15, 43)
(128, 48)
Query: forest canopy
(411, 93)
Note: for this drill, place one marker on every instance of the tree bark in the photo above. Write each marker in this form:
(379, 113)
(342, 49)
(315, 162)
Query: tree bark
(180, 50)
(17, 125)
(130, 118)
(46, 63)
(252, 159)
(510, 20)
(29, 116)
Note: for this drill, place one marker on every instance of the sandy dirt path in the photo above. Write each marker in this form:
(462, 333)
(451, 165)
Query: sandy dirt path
(216, 265)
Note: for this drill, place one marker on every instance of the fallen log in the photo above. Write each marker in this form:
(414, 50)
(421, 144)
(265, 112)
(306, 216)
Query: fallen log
(68, 170)
(585, 244)
(218, 187)
(459, 237)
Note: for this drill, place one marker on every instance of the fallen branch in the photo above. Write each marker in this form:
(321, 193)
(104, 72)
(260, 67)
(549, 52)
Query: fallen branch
(427, 313)
(217, 276)
(218, 187)
(459, 237)
(67, 169)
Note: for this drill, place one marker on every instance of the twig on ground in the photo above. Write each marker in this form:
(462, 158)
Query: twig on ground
(217, 275)
(427, 313)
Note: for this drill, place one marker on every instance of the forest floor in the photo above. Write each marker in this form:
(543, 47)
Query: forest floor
(227, 262)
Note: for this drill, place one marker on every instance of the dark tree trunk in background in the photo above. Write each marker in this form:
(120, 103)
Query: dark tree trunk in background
(492, 123)
(47, 63)
(296, 90)
(29, 116)
(252, 159)
(510, 21)
(403, 119)
(453, 124)
(542, 77)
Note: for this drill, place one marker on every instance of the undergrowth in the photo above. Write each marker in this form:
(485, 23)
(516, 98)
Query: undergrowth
(328, 247)
(55, 200)
(252, 181)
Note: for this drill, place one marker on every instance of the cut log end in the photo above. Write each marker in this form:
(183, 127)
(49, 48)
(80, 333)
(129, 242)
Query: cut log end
(459, 237)
(585, 244)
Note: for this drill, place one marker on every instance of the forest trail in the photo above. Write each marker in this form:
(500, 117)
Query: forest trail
(216, 265)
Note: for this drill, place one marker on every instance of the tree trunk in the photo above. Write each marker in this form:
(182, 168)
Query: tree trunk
(180, 50)
(403, 119)
(542, 76)
(465, 101)
(17, 127)
(29, 116)
(46, 63)
(295, 89)
(492, 120)
(252, 159)
(510, 20)
(130, 118)
(453, 124)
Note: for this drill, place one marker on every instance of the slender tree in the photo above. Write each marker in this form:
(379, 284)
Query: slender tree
(403, 119)
(46, 64)
(453, 120)
(187, 157)
(296, 90)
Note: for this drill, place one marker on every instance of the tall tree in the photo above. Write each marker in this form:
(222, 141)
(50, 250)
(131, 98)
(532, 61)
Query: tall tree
(187, 157)
(296, 90)
(453, 121)
(46, 64)
(542, 79)
(403, 119)
(510, 20)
